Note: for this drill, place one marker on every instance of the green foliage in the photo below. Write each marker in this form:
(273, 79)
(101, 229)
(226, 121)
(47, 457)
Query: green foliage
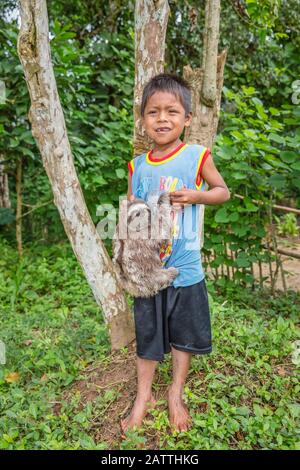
(287, 225)
(242, 396)
(95, 84)
(92, 48)
(257, 155)
(51, 325)
(6, 216)
(262, 46)
(52, 329)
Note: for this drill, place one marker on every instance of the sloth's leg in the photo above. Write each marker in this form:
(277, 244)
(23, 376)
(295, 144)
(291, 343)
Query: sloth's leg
(163, 277)
(134, 289)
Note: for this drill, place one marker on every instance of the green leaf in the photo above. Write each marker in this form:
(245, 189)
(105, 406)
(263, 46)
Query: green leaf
(234, 217)
(239, 176)
(278, 181)
(242, 261)
(258, 410)
(221, 215)
(296, 166)
(7, 216)
(276, 138)
(237, 135)
(288, 156)
(243, 411)
(120, 172)
(249, 205)
(248, 90)
(250, 133)
(239, 229)
(274, 111)
(226, 152)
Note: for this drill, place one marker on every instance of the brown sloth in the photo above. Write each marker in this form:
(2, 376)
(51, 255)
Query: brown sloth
(141, 232)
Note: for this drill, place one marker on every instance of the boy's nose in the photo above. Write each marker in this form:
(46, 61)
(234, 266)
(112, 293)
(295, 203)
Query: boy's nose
(162, 117)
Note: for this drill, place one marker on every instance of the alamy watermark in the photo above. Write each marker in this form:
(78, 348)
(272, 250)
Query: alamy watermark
(147, 224)
(2, 353)
(296, 92)
(296, 353)
(2, 92)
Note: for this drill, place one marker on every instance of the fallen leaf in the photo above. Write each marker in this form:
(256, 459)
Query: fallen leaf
(281, 371)
(239, 436)
(12, 377)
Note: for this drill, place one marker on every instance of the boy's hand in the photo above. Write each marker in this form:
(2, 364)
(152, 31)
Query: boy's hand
(185, 196)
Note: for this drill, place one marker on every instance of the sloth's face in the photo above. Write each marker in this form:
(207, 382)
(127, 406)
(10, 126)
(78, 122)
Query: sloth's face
(139, 216)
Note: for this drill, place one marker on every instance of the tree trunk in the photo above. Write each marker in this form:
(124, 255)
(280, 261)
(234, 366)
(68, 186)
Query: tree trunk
(19, 206)
(4, 191)
(151, 20)
(206, 84)
(49, 130)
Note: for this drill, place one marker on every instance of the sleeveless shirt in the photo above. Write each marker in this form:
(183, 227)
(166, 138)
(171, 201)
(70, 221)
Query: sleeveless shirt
(180, 169)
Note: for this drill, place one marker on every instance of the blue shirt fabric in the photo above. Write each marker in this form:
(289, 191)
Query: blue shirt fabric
(179, 169)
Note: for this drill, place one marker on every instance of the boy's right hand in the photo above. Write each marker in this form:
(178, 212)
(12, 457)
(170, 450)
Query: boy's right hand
(131, 198)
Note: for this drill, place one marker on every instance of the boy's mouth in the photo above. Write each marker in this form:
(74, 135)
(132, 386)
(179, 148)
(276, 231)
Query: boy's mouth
(163, 129)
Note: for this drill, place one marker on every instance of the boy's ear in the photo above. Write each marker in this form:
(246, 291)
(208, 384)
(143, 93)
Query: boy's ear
(188, 119)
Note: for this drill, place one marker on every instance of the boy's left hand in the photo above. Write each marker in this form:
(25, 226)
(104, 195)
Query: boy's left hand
(185, 196)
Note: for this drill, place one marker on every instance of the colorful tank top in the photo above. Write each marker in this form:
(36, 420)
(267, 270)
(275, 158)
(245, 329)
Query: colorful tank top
(179, 169)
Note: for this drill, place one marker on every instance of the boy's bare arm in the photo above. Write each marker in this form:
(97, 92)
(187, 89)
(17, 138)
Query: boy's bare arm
(218, 191)
(130, 196)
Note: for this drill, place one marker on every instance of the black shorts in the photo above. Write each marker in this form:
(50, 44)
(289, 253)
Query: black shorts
(177, 317)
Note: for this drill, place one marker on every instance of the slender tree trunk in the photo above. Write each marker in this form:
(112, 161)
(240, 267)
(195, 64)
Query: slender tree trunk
(49, 130)
(19, 206)
(151, 20)
(206, 83)
(4, 191)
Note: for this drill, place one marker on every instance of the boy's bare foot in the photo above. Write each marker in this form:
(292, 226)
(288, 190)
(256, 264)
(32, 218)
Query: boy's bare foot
(179, 416)
(138, 413)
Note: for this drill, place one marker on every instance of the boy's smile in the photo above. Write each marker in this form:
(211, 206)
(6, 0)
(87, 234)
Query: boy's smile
(164, 120)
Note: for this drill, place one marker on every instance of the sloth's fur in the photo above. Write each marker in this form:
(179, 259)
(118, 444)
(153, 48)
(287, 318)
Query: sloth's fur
(139, 235)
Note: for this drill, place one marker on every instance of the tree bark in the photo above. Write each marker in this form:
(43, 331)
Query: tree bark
(49, 130)
(206, 84)
(4, 190)
(151, 20)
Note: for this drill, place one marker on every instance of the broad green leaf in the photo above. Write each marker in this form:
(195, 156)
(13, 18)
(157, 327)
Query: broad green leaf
(221, 215)
(120, 172)
(288, 156)
(277, 138)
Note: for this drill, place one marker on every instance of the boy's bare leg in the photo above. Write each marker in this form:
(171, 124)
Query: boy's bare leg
(144, 399)
(179, 417)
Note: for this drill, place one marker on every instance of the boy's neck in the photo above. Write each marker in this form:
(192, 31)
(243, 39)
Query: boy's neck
(160, 151)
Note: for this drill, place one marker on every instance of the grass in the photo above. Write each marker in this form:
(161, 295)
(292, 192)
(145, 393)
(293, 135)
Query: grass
(243, 396)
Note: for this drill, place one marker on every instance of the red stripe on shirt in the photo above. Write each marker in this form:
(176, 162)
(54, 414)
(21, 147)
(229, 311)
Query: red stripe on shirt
(205, 156)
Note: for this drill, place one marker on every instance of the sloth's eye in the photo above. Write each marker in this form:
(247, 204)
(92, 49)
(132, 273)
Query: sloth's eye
(138, 213)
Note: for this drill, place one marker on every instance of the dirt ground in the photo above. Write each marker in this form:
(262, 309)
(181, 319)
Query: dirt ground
(291, 266)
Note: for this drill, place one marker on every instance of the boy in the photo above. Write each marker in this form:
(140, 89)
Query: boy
(177, 319)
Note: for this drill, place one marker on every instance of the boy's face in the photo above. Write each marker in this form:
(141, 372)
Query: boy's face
(164, 118)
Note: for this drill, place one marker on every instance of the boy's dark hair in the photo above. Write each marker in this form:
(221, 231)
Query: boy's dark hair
(171, 83)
